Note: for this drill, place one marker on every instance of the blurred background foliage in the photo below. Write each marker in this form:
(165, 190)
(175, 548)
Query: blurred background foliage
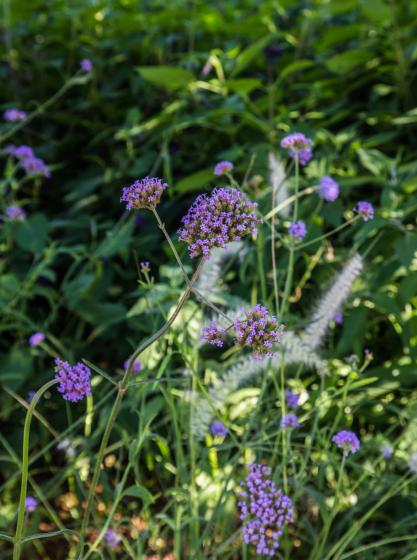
(176, 87)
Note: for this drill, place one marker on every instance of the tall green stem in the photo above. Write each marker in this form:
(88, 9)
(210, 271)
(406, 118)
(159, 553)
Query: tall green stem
(123, 385)
(25, 469)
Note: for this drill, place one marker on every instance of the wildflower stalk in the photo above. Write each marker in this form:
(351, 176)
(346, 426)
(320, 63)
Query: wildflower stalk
(283, 430)
(273, 256)
(25, 468)
(123, 385)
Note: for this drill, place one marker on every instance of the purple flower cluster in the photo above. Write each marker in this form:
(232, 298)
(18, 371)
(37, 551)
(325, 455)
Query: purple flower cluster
(36, 338)
(289, 420)
(74, 381)
(31, 504)
(112, 538)
(217, 219)
(143, 193)
(15, 213)
(145, 267)
(338, 317)
(223, 167)
(14, 115)
(347, 441)
(365, 210)
(136, 367)
(298, 146)
(298, 230)
(292, 400)
(329, 189)
(218, 429)
(213, 334)
(264, 509)
(259, 330)
(387, 451)
(86, 65)
(31, 164)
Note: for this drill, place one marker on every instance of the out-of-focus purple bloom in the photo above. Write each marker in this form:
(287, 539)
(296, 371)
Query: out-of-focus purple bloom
(36, 338)
(31, 394)
(31, 504)
(387, 451)
(136, 367)
(338, 317)
(23, 152)
(74, 381)
(15, 213)
(264, 509)
(35, 166)
(10, 149)
(144, 193)
(217, 219)
(352, 359)
(412, 462)
(347, 441)
(145, 267)
(258, 330)
(223, 167)
(368, 354)
(298, 146)
(218, 429)
(112, 538)
(292, 400)
(365, 209)
(272, 53)
(329, 189)
(213, 334)
(207, 68)
(298, 230)
(289, 420)
(14, 115)
(86, 65)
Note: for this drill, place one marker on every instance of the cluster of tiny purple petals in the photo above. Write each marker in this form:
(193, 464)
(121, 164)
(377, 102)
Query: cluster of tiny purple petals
(298, 146)
(264, 509)
(347, 441)
(86, 65)
(143, 193)
(223, 167)
(35, 166)
(217, 219)
(213, 334)
(292, 400)
(112, 538)
(338, 317)
(23, 152)
(365, 210)
(36, 338)
(289, 420)
(387, 451)
(31, 504)
(145, 267)
(329, 189)
(74, 381)
(298, 230)
(136, 367)
(14, 115)
(259, 330)
(15, 213)
(218, 429)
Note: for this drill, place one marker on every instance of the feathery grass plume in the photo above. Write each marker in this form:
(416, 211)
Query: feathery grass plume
(332, 301)
(279, 184)
(208, 283)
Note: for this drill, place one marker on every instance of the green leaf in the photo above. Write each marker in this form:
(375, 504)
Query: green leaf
(406, 248)
(194, 181)
(139, 492)
(347, 61)
(117, 239)
(16, 367)
(32, 234)
(244, 85)
(169, 77)
(296, 67)
(50, 535)
(102, 313)
(6, 537)
(248, 54)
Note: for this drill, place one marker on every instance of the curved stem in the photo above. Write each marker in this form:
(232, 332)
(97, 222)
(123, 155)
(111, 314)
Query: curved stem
(25, 468)
(120, 394)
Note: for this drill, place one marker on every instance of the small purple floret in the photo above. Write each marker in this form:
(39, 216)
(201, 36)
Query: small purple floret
(289, 420)
(31, 504)
(258, 330)
(136, 367)
(338, 317)
(112, 538)
(14, 115)
(35, 166)
(213, 334)
(347, 441)
(86, 65)
(218, 429)
(365, 209)
(292, 400)
(223, 167)
(74, 381)
(23, 152)
(15, 213)
(145, 267)
(36, 338)
(329, 189)
(387, 451)
(144, 193)
(298, 146)
(298, 230)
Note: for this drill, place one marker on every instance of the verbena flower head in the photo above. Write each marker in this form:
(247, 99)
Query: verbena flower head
(23, 152)
(136, 367)
(112, 538)
(264, 509)
(86, 65)
(329, 189)
(216, 219)
(289, 420)
(15, 213)
(213, 334)
(368, 355)
(258, 330)
(143, 193)
(299, 146)
(14, 115)
(35, 166)
(387, 450)
(412, 462)
(338, 317)
(31, 504)
(218, 429)
(74, 381)
(365, 209)
(36, 338)
(292, 400)
(347, 441)
(298, 230)
(145, 267)
(223, 167)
